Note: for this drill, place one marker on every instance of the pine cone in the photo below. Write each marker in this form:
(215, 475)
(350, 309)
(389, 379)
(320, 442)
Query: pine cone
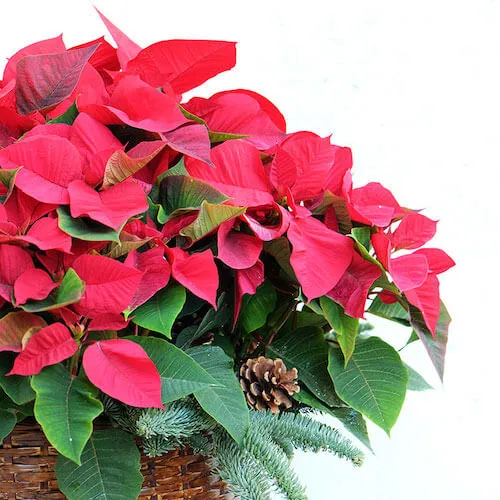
(267, 383)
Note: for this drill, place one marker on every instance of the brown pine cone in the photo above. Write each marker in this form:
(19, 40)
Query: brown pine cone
(268, 384)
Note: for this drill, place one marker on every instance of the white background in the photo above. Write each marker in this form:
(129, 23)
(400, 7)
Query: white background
(413, 87)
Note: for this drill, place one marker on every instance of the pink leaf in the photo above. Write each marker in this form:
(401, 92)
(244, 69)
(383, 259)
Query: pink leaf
(49, 164)
(122, 369)
(127, 49)
(45, 80)
(13, 327)
(109, 285)
(352, 289)
(14, 261)
(108, 321)
(342, 164)
(33, 284)
(283, 171)
(191, 140)
(438, 260)
(319, 256)
(426, 298)
(408, 271)
(247, 282)
(247, 185)
(374, 204)
(414, 231)
(184, 64)
(240, 112)
(49, 346)
(197, 272)
(112, 207)
(236, 249)
(156, 273)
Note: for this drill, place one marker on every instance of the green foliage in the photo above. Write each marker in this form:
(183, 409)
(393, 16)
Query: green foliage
(344, 326)
(68, 292)
(68, 117)
(8, 421)
(306, 349)
(226, 402)
(256, 308)
(180, 374)
(415, 381)
(16, 387)
(360, 384)
(110, 469)
(394, 312)
(65, 408)
(160, 311)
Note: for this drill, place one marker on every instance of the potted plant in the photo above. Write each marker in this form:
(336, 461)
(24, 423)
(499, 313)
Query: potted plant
(190, 276)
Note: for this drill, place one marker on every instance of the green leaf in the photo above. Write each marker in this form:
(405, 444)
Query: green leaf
(223, 136)
(184, 192)
(394, 312)
(373, 382)
(110, 469)
(68, 117)
(212, 320)
(256, 308)
(345, 326)
(307, 350)
(161, 310)
(210, 217)
(18, 388)
(352, 420)
(281, 251)
(65, 407)
(178, 169)
(436, 347)
(84, 228)
(362, 235)
(7, 423)
(7, 178)
(180, 374)
(225, 403)
(68, 292)
(415, 381)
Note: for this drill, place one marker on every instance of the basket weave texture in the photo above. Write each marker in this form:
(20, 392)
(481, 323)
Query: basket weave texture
(27, 463)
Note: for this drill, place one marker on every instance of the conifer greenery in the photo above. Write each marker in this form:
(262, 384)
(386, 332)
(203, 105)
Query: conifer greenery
(261, 464)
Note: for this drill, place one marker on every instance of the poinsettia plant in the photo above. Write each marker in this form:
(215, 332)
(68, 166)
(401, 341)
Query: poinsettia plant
(154, 250)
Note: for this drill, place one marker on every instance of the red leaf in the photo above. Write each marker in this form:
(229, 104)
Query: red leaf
(107, 322)
(184, 64)
(240, 112)
(46, 235)
(49, 46)
(426, 298)
(122, 369)
(45, 80)
(236, 249)
(49, 164)
(104, 58)
(112, 207)
(33, 284)
(191, 140)
(438, 260)
(374, 204)
(352, 289)
(342, 164)
(319, 256)
(127, 49)
(173, 226)
(247, 282)
(109, 285)
(156, 273)
(313, 157)
(49, 346)
(414, 231)
(283, 171)
(139, 105)
(267, 107)
(197, 272)
(408, 271)
(257, 221)
(247, 185)
(14, 261)
(14, 326)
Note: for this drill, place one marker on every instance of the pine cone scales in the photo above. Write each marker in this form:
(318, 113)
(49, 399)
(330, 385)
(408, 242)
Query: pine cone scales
(268, 384)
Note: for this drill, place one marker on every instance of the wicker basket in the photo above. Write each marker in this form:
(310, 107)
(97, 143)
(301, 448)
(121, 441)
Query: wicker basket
(27, 471)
